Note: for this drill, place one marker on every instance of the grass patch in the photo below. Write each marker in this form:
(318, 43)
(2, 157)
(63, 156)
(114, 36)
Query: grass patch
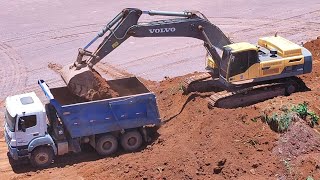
(281, 121)
(304, 113)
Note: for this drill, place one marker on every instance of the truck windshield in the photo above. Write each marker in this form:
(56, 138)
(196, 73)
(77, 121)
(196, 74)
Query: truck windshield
(11, 121)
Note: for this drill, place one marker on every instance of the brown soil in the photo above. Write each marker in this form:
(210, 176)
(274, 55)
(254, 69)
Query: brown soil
(314, 47)
(197, 143)
(101, 90)
(299, 149)
(55, 67)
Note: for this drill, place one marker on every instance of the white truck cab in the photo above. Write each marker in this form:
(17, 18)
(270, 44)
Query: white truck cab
(25, 125)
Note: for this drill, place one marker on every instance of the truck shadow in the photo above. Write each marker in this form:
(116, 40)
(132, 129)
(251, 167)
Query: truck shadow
(88, 154)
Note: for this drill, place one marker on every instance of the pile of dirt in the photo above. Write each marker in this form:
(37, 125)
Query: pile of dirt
(98, 86)
(100, 90)
(300, 146)
(314, 47)
(298, 140)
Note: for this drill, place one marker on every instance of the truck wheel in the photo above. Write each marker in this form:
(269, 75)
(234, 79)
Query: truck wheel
(41, 157)
(131, 141)
(106, 145)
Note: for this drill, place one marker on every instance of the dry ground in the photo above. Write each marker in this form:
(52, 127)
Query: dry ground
(196, 143)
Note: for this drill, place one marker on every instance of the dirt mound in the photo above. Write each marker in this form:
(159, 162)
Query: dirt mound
(314, 47)
(298, 140)
(299, 149)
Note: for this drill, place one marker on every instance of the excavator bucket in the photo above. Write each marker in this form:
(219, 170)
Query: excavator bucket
(79, 82)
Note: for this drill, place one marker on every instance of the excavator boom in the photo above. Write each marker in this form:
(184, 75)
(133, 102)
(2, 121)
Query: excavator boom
(79, 77)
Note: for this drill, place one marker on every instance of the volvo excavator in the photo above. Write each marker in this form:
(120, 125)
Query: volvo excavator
(241, 73)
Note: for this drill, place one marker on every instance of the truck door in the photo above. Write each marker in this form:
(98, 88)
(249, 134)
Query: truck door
(26, 129)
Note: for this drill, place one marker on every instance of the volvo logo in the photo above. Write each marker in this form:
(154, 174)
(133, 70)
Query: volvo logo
(162, 30)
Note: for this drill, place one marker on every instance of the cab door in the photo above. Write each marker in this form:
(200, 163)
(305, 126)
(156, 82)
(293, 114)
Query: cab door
(26, 129)
(238, 70)
(254, 65)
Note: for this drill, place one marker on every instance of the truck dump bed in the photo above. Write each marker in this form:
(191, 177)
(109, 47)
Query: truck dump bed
(124, 87)
(136, 107)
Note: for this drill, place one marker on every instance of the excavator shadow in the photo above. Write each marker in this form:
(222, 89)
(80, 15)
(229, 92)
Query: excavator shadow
(190, 98)
(256, 94)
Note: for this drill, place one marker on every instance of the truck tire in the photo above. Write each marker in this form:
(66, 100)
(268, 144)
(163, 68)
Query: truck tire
(41, 157)
(107, 145)
(131, 141)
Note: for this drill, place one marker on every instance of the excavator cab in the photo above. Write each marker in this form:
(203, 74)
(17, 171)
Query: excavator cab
(272, 58)
(236, 62)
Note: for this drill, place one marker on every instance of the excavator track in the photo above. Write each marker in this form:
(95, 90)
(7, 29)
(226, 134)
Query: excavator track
(200, 83)
(251, 95)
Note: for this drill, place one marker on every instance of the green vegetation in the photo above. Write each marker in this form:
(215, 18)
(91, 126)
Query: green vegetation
(309, 178)
(304, 113)
(280, 122)
(301, 110)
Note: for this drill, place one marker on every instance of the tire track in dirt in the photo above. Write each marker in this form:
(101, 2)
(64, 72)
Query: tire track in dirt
(5, 167)
(168, 65)
(272, 21)
(165, 53)
(4, 164)
(13, 72)
(42, 33)
(35, 87)
(75, 36)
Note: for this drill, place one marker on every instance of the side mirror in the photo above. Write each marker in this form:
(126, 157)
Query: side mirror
(22, 125)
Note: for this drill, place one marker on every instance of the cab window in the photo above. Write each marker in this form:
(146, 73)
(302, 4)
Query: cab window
(239, 63)
(253, 57)
(29, 121)
(242, 61)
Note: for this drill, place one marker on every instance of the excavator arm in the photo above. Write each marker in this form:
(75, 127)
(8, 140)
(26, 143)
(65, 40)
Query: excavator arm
(79, 76)
(125, 25)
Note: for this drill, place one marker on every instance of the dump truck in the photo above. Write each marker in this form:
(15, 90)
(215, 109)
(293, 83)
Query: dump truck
(40, 132)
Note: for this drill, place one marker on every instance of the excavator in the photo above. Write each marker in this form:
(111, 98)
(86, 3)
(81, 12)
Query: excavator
(240, 73)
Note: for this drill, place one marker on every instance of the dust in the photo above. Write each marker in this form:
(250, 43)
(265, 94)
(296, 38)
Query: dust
(55, 67)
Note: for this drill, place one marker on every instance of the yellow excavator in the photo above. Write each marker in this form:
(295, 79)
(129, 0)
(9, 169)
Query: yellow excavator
(242, 75)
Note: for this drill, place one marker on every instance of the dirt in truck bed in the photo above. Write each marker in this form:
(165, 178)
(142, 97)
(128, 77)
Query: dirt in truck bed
(102, 90)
